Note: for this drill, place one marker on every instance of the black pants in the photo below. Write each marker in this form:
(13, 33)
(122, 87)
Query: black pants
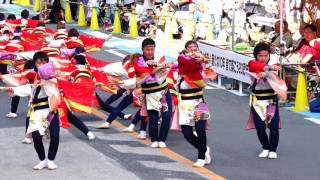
(55, 16)
(200, 141)
(124, 103)
(3, 69)
(158, 4)
(125, 26)
(108, 108)
(77, 122)
(4, 1)
(137, 118)
(142, 29)
(14, 103)
(54, 129)
(153, 115)
(74, 8)
(27, 124)
(15, 100)
(129, 6)
(115, 97)
(269, 143)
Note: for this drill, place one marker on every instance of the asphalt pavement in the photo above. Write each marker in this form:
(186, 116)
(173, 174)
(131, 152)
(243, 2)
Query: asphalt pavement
(117, 155)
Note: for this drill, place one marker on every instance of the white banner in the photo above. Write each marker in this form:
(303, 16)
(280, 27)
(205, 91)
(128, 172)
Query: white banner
(226, 62)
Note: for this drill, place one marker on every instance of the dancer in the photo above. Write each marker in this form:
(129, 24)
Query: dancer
(151, 73)
(43, 113)
(192, 111)
(80, 75)
(264, 110)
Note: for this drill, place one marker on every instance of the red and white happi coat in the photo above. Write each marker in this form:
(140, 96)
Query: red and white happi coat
(155, 98)
(268, 87)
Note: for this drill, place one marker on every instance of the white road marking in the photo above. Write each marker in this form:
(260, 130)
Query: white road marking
(126, 43)
(211, 87)
(314, 120)
(115, 53)
(98, 34)
(115, 137)
(165, 166)
(137, 150)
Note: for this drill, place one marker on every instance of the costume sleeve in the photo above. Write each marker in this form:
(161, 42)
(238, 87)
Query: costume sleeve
(67, 52)
(56, 43)
(4, 38)
(312, 51)
(142, 68)
(256, 67)
(129, 83)
(187, 64)
(115, 69)
(28, 46)
(316, 44)
(25, 55)
(191, 70)
(22, 91)
(92, 42)
(6, 55)
(53, 93)
(33, 23)
(14, 80)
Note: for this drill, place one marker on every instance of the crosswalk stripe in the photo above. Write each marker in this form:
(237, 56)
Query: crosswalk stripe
(166, 166)
(314, 120)
(98, 34)
(16, 10)
(136, 150)
(173, 155)
(115, 53)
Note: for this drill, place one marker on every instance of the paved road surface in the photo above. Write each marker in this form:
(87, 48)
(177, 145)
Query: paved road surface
(120, 156)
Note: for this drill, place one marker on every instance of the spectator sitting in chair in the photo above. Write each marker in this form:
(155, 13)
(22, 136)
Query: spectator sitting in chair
(202, 19)
(57, 12)
(129, 4)
(177, 29)
(161, 17)
(125, 23)
(274, 36)
(305, 53)
(145, 25)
